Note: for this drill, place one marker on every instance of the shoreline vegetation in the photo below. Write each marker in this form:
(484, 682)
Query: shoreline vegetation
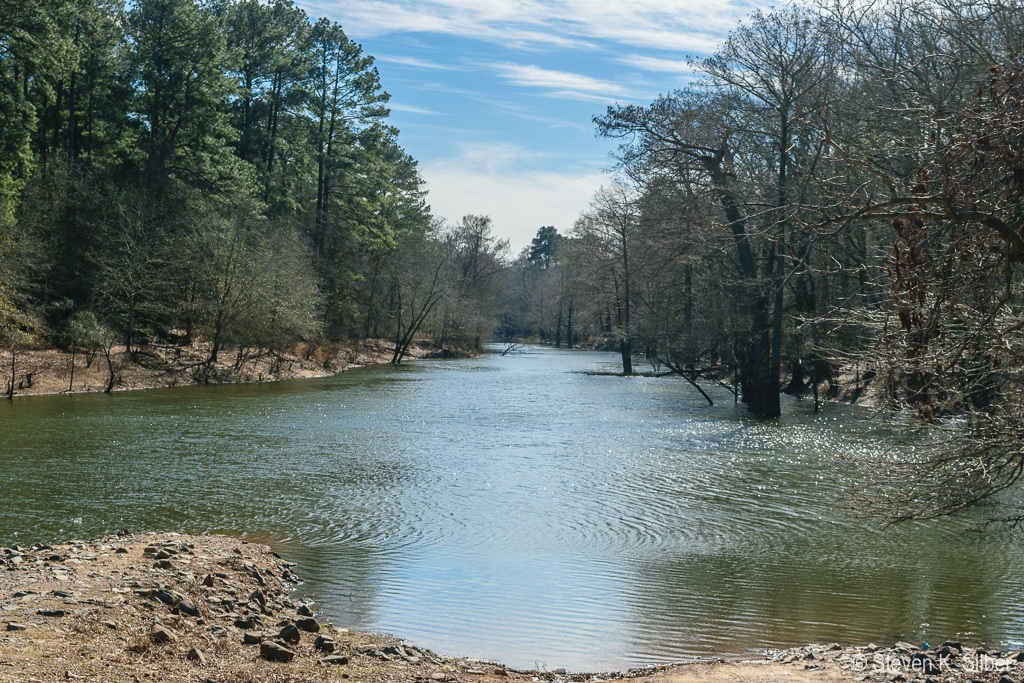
(49, 371)
(174, 607)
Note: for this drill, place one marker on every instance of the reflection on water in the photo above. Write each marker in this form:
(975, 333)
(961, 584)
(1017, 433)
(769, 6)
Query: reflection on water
(517, 508)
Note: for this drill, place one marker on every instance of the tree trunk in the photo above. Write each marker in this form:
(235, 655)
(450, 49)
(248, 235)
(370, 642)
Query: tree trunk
(626, 349)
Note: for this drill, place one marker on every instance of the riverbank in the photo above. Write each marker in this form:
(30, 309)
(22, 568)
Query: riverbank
(172, 607)
(49, 371)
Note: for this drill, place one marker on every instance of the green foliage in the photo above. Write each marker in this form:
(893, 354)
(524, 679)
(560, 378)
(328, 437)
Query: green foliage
(218, 167)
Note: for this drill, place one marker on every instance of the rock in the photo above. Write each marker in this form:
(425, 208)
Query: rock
(275, 652)
(112, 625)
(52, 612)
(163, 564)
(121, 551)
(324, 644)
(186, 606)
(15, 626)
(196, 655)
(149, 550)
(209, 581)
(906, 647)
(163, 554)
(305, 611)
(252, 638)
(170, 598)
(258, 597)
(438, 676)
(337, 660)
(919, 661)
(289, 634)
(480, 672)
(250, 623)
(308, 625)
(953, 644)
(160, 634)
(560, 671)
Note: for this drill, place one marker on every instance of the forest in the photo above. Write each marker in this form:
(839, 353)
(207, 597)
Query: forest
(834, 202)
(179, 171)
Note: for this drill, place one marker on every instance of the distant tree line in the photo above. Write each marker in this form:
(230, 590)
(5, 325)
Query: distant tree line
(841, 190)
(219, 171)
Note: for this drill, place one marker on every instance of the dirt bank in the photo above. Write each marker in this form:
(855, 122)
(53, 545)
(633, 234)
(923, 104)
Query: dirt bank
(48, 371)
(170, 607)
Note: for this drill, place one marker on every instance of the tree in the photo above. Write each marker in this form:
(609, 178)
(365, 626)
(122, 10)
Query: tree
(610, 234)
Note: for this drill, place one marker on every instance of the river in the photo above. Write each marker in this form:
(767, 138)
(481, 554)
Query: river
(516, 508)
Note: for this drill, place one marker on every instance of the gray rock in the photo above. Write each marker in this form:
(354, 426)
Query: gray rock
(248, 624)
(337, 660)
(919, 661)
(309, 625)
(196, 655)
(15, 626)
(324, 644)
(186, 606)
(52, 612)
(275, 652)
(160, 634)
(289, 634)
(252, 638)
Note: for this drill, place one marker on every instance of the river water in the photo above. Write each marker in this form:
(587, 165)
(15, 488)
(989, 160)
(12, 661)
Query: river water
(516, 508)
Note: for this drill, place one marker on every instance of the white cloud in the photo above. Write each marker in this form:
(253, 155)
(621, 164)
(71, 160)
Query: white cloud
(415, 62)
(679, 25)
(499, 180)
(538, 77)
(410, 109)
(671, 66)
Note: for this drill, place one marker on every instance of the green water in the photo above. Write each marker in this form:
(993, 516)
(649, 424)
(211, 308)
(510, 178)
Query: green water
(516, 508)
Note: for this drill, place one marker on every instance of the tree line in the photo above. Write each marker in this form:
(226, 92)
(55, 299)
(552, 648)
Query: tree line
(219, 171)
(836, 198)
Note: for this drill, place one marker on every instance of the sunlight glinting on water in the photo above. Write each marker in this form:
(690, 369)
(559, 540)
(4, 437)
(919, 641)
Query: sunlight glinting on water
(517, 508)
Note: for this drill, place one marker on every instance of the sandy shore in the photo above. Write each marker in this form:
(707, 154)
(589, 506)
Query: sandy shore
(48, 371)
(172, 607)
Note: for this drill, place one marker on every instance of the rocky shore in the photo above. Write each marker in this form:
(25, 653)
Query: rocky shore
(170, 607)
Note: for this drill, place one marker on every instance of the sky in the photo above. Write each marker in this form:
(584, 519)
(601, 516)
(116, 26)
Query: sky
(495, 98)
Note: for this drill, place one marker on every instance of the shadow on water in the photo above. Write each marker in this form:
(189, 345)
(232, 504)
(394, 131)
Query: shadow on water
(518, 508)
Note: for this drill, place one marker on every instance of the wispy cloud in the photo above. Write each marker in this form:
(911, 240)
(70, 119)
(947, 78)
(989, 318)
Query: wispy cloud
(672, 66)
(678, 25)
(494, 178)
(538, 77)
(410, 109)
(415, 62)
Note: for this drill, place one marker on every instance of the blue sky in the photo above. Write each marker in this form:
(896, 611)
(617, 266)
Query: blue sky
(495, 97)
